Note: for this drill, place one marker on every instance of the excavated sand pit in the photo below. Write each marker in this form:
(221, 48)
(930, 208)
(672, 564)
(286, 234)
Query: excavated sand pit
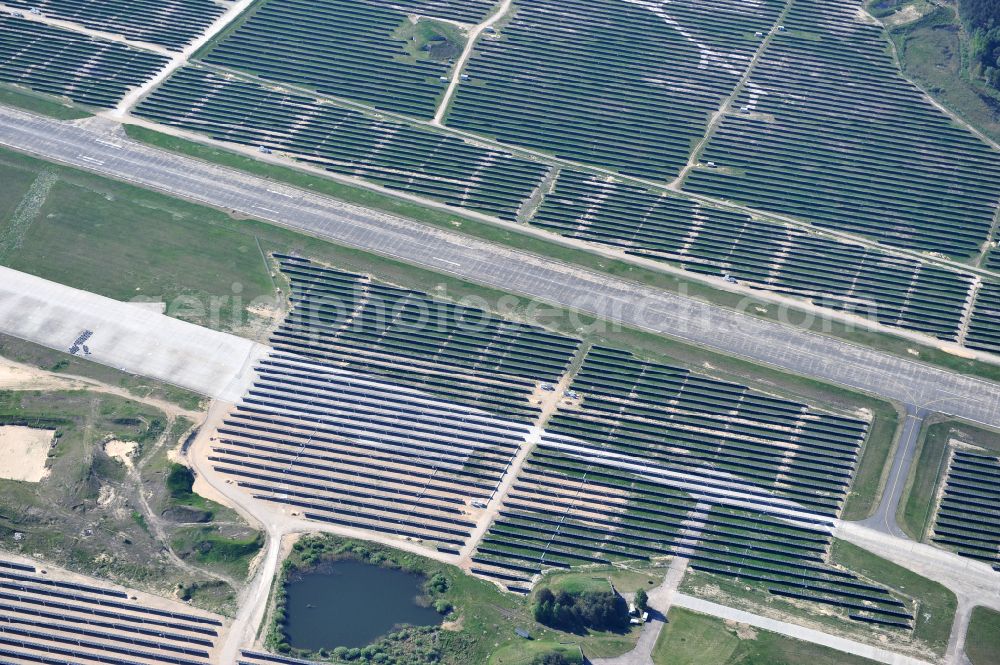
(23, 452)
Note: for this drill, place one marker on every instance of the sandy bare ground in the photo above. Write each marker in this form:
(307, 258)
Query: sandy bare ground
(23, 452)
(121, 451)
(18, 376)
(907, 14)
(14, 376)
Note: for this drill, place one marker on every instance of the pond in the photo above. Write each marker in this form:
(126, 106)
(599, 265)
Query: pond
(350, 603)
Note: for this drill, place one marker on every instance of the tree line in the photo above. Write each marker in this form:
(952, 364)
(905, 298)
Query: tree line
(982, 20)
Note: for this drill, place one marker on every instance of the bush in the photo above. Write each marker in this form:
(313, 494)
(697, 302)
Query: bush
(437, 584)
(180, 481)
(602, 610)
(551, 659)
(641, 600)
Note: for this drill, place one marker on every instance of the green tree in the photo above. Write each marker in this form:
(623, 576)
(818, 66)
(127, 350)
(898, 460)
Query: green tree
(551, 659)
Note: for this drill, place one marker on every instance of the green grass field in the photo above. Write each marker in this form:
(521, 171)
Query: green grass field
(211, 547)
(600, 578)
(982, 641)
(126, 243)
(696, 639)
(428, 39)
(917, 502)
(43, 105)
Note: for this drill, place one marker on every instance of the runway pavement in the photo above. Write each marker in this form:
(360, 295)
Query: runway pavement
(125, 336)
(635, 305)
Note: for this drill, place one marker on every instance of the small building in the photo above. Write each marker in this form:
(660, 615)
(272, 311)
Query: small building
(522, 633)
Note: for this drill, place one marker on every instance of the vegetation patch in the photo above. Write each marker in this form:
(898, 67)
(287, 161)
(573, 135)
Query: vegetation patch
(428, 39)
(42, 105)
(982, 20)
(982, 642)
(210, 545)
(581, 612)
(953, 57)
(690, 638)
(81, 516)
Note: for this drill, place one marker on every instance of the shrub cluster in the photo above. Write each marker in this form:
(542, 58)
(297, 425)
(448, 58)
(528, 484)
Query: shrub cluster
(982, 19)
(597, 610)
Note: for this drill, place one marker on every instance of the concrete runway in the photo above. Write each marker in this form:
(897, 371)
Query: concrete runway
(609, 298)
(126, 336)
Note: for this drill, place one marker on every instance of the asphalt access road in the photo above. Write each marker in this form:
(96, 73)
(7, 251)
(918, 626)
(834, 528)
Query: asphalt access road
(719, 329)
(884, 518)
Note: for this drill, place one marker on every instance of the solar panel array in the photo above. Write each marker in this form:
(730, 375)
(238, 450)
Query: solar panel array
(68, 64)
(968, 519)
(984, 326)
(344, 48)
(347, 142)
(464, 11)
(46, 618)
(261, 658)
(835, 135)
(658, 460)
(893, 290)
(380, 410)
(168, 23)
(622, 85)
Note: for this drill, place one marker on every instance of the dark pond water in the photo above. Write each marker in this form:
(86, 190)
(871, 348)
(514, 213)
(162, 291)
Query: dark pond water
(349, 603)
